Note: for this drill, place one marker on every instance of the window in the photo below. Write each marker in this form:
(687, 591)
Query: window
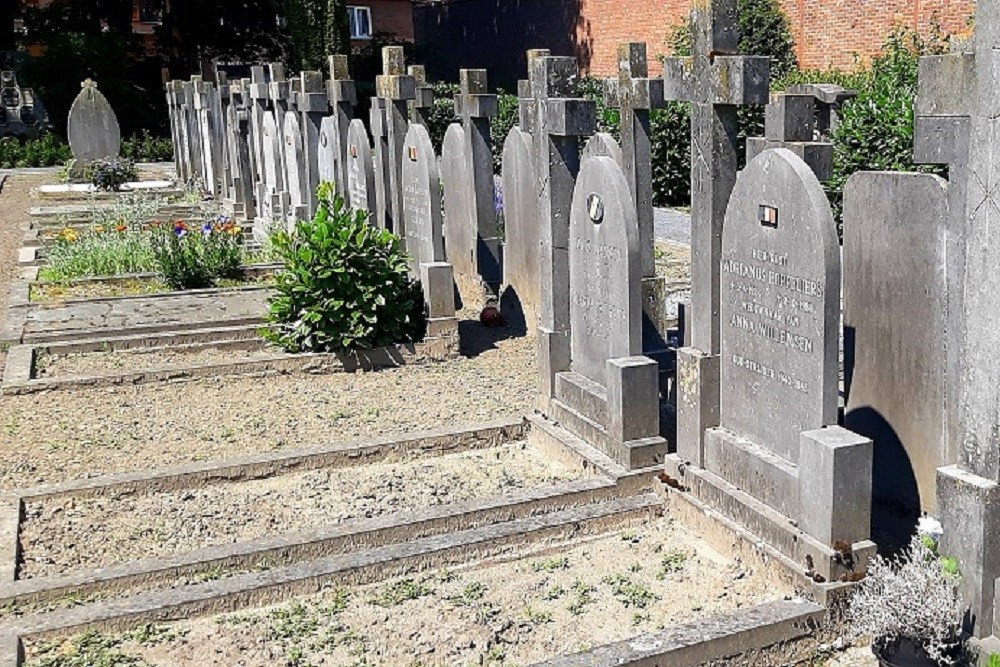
(360, 19)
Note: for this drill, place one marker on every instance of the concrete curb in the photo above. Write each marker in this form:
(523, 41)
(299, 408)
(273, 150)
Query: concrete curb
(707, 640)
(260, 588)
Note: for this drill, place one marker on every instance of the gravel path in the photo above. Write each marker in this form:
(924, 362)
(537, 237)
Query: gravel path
(513, 613)
(671, 224)
(61, 536)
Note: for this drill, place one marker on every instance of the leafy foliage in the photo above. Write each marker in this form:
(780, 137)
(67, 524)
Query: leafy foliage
(501, 124)
(443, 113)
(344, 286)
(876, 128)
(48, 150)
(144, 147)
(111, 174)
(317, 28)
(195, 259)
(99, 251)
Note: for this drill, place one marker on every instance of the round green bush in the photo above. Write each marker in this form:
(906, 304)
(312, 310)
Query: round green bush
(344, 285)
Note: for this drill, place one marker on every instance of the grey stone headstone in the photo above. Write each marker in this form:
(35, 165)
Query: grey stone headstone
(329, 160)
(92, 127)
(421, 197)
(522, 233)
(780, 313)
(380, 161)
(459, 203)
(603, 144)
(605, 271)
(895, 317)
(271, 154)
(360, 172)
(295, 157)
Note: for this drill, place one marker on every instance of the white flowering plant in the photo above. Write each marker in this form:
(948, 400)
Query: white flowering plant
(912, 596)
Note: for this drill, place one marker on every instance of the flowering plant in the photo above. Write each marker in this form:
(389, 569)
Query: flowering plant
(111, 174)
(192, 260)
(912, 597)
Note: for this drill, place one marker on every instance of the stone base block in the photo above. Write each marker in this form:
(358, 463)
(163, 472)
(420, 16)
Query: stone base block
(777, 530)
(697, 402)
(835, 485)
(746, 465)
(438, 283)
(969, 506)
(622, 420)
(553, 358)
(442, 340)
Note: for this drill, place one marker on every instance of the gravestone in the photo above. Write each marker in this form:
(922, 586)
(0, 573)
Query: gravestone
(519, 300)
(329, 162)
(895, 314)
(968, 492)
(360, 172)
(380, 162)
(280, 96)
(259, 100)
(421, 195)
(716, 84)
(778, 441)
(312, 104)
(791, 121)
(635, 95)
(475, 106)
(558, 122)
(208, 108)
(343, 98)
(459, 203)
(609, 395)
(603, 144)
(395, 89)
(194, 135)
(241, 203)
(422, 104)
(296, 174)
(92, 128)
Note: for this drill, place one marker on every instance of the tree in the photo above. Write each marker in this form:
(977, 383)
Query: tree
(317, 28)
(8, 11)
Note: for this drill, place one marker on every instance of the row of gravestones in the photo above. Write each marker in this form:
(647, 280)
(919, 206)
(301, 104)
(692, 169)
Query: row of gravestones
(758, 434)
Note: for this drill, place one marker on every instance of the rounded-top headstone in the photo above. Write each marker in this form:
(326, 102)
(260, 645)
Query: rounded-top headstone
(460, 233)
(421, 187)
(605, 270)
(780, 305)
(360, 171)
(92, 128)
(328, 147)
(522, 250)
(603, 144)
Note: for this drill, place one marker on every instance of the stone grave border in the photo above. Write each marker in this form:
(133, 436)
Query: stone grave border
(101, 195)
(606, 497)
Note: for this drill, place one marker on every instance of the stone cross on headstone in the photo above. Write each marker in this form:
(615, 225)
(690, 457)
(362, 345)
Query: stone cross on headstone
(396, 89)
(280, 94)
(259, 98)
(193, 133)
(343, 97)
(179, 125)
(380, 164)
(635, 94)
(969, 492)
(476, 107)
(238, 150)
(221, 103)
(716, 81)
(526, 108)
(423, 102)
(206, 105)
(790, 121)
(313, 105)
(559, 122)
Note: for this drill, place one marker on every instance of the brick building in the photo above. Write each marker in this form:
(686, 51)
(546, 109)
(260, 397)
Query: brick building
(487, 33)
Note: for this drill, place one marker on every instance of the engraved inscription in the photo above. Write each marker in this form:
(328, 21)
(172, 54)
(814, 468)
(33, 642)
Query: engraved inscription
(597, 308)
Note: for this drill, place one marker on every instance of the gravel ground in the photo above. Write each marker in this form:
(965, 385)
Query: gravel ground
(61, 536)
(671, 224)
(511, 613)
(122, 361)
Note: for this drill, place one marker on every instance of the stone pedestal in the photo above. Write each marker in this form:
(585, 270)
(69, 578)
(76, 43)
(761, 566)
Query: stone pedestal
(697, 402)
(438, 282)
(969, 506)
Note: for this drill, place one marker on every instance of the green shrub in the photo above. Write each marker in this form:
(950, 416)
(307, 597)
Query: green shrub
(442, 114)
(344, 286)
(144, 147)
(501, 125)
(48, 150)
(195, 259)
(876, 128)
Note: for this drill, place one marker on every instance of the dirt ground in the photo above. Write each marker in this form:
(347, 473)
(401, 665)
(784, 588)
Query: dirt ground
(64, 535)
(509, 613)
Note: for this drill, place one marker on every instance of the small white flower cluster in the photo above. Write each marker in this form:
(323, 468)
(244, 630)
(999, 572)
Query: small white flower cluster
(909, 596)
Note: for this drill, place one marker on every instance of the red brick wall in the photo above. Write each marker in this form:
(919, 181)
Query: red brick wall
(395, 16)
(828, 33)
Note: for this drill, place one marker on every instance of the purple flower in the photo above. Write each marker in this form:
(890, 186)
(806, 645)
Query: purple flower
(206, 229)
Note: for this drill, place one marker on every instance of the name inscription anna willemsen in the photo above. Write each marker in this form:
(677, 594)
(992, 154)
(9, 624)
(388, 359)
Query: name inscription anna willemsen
(784, 299)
